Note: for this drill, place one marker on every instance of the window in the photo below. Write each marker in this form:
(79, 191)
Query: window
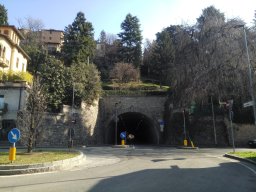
(50, 38)
(0, 50)
(6, 32)
(23, 66)
(7, 125)
(17, 63)
(3, 53)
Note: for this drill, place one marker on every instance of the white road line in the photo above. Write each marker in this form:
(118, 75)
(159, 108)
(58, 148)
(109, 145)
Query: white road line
(234, 161)
(252, 170)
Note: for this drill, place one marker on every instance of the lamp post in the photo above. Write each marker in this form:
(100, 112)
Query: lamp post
(250, 72)
(116, 122)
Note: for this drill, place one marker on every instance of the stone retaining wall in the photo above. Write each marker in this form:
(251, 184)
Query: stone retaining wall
(54, 130)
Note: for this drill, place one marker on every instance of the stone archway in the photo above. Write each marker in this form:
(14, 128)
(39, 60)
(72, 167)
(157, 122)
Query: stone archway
(137, 124)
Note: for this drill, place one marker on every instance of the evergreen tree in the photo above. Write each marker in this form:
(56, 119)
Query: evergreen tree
(86, 82)
(53, 75)
(79, 45)
(163, 57)
(131, 40)
(103, 37)
(3, 15)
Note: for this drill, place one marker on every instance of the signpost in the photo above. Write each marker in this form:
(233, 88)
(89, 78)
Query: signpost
(161, 123)
(13, 137)
(123, 137)
(248, 104)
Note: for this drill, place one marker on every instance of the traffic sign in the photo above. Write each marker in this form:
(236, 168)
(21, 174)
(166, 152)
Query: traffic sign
(123, 135)
(14, 135)
(248, 104)
(161, 123)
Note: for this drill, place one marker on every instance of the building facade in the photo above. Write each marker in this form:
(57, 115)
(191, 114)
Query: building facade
(12, 56)
(52, 39)
(13, 62)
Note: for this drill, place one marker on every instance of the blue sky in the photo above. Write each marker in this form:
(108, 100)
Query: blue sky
(154, 15)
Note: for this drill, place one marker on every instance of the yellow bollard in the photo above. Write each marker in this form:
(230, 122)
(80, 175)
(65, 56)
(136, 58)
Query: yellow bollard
(185, 142)
(122, 142)
(12, 153)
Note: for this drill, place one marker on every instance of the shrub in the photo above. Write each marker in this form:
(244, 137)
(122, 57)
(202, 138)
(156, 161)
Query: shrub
(15, 76)
(124, 73)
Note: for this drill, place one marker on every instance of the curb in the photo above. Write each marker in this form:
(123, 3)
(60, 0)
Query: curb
(239, 158)
(181, 147)
(42, 167)
(121, 146)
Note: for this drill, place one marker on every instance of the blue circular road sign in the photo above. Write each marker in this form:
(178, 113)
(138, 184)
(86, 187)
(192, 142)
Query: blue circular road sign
(14, 135)
(123, 135)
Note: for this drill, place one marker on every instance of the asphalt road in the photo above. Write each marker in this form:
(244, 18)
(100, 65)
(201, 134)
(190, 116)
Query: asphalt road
(143, 169)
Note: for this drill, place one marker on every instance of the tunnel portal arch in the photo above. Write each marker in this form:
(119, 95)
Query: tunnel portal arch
(135, 124)
(138, 115)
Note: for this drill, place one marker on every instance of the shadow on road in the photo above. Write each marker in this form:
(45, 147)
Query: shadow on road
(226, 177)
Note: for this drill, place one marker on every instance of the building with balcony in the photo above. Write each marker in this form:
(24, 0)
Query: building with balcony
(13, 62)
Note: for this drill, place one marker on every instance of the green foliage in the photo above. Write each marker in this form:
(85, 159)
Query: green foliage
(111, 55)
(53, 76)
(159, 58)
(37, 59)
(131, 40)
(23, 158)
(3, 15)
(79, 44)
(12, 76)
(134, 89)
(86, 81)
(164, 56)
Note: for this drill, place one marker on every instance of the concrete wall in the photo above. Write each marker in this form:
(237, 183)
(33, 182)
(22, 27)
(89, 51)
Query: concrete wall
(15, 95)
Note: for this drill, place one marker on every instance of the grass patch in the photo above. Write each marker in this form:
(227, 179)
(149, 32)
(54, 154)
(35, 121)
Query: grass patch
(246, 155)
(23, 158)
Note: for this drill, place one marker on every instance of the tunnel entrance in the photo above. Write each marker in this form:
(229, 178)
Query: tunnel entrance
(136, 124)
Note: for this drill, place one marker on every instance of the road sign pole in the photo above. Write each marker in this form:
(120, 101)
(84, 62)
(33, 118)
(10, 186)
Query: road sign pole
(12, 153)
(185, 141)
(230, 102)
(13, 137)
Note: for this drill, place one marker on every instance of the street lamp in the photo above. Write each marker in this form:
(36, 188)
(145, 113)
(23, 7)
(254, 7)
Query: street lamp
(116, 122)
(250, 72)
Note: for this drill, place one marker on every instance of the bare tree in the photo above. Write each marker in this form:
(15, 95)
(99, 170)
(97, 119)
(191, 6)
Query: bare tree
(124, 73)
(30, 28)
(29, 119)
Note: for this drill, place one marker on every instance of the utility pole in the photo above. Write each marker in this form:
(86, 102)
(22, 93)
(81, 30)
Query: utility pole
(249, 71)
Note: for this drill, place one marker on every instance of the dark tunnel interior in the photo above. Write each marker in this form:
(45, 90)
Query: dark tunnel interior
(136, 124)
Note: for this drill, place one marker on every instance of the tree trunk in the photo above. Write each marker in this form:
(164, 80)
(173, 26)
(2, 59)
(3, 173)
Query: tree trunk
(30, 144)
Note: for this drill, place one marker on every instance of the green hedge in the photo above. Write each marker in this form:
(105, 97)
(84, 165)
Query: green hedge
(134, 93)
(15, 76)
(134, 86)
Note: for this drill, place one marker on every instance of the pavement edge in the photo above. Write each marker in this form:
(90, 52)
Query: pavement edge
(239, 158)
(42, 167)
